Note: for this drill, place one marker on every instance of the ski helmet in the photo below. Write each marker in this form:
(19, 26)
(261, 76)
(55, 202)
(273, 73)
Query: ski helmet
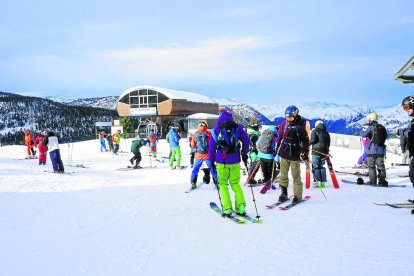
(202, 123)
(255, 126)
(408, 103)
(372, 116)
(291, 112)
(318, 122)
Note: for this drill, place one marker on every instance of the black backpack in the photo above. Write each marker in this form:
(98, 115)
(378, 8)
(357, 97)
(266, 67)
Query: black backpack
(228, 137)
(379, 135)
(266, 141)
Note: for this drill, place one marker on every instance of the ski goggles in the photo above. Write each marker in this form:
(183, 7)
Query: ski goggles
(290, 118)
(406, 107)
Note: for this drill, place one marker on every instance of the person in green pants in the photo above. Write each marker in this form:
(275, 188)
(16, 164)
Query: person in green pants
(174, 140)
(224, 153)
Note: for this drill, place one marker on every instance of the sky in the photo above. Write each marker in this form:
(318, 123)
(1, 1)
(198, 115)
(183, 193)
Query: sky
(254, 51)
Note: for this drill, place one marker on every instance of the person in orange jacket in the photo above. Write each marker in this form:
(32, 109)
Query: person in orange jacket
(28, 140)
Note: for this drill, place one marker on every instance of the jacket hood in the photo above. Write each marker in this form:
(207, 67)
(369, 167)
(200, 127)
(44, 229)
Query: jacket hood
(321, 126)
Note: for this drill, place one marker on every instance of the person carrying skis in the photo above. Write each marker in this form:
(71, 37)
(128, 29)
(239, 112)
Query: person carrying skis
(266, 146)
(320, 141)
(408, 105)
(174, 140)
(52, 143)
(116, 139)
(135, 146)
(41, 147)
(253, 132)
(102, 141)
(224, 154)
(28, 140)
(376, 150)
(292, 146)
(153, 143)
(200, 142)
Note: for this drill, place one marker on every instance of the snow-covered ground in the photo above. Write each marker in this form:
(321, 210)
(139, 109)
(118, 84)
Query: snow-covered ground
(104, 221)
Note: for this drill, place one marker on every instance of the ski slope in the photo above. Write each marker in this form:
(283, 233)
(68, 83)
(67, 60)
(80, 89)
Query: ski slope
(104, 221)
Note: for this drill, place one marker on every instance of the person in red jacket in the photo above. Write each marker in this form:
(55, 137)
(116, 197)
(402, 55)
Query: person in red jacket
(38, 143)
(28, 140)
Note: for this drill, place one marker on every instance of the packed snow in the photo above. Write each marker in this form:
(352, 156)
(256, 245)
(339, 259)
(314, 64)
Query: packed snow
(100, 220)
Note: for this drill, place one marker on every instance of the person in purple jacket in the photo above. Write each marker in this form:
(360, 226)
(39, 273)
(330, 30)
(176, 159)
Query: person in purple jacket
(224, 155)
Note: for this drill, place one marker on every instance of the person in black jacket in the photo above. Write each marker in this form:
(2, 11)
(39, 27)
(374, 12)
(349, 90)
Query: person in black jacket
(320, 141)
(404, 133)
(408, 105)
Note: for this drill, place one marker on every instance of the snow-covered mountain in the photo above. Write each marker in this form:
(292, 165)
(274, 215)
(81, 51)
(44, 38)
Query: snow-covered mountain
(108, 102)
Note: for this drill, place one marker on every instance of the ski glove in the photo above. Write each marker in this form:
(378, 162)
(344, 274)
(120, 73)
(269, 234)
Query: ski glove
(245, 158)
(304, 156)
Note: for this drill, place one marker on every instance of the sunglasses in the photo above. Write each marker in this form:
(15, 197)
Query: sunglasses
(406, 107)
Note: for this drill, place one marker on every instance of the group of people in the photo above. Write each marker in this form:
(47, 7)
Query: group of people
(44, 142)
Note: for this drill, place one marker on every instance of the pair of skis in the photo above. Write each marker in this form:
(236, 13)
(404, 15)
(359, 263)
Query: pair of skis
(288, 206)
(239, 219)
(364, 184)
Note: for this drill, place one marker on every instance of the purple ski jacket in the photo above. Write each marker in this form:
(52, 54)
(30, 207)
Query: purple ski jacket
(216, 154)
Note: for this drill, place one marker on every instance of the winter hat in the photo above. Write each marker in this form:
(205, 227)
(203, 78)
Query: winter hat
(118, 131)
(318, 122)
(225, 109)
(372, 116)
(202, 123)
(44, 132)
(26, 131)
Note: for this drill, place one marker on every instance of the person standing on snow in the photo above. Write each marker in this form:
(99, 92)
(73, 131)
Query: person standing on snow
(266, 153)
(224, 153)
(28, 140)
(408, 105)
(110, 143)
(116, 138)
(200, 142)
(52, 143)
(320, 141)
(102, 141)
(153, 144)
(174, 140)
(253, 132)
(135, 149)
(376, 150)
(404, 144)
(292, 146)
(41, 147)
(362, 160)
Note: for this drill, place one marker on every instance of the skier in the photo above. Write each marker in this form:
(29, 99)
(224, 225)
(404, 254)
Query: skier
(224, 151)
(267, 152)
(320, 141)
(362, 160)
(376, 150)
(174, 140)
(404, 144)
(28, 140)
(41, 147)
(102, 141)
(200, 142)
(116, 139)
(408, 106)
(110, 143)
(52, 143)
(153, 144)
(292, 146)
(253, 132)
(135, 146)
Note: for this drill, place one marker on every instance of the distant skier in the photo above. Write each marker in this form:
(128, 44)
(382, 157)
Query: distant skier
(110, 143)
(320, 141)
(174, 140)
(408, 106)
(362, 160)
(52, 143)
(42, 148)
(200, 142)
(376, 150)
(253, 132)
(28, 140)
(293, 146)
(224, 151)
(404, 144)
(266, 146)
(135, 149)
(102, 141)
(116, 139)
(153, 140)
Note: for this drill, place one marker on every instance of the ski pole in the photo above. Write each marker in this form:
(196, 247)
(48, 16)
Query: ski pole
(218, 188)
(254, 201)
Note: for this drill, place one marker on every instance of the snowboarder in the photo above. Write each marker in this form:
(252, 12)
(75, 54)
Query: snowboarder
(200, 142)
(253, 132)
(320, 141)
(266, 146)
(102, 141)
(42, 148)
(292, 146)
(224, 153)
(376, 150)
(52, 143)
(28, 140)
(408, 106)
(135, 146)
(116, 139)
(174, 140)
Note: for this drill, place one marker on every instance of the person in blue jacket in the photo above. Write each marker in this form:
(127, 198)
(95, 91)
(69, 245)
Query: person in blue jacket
(174, 140)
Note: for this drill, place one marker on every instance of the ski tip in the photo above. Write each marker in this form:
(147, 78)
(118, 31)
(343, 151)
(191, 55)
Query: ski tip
(307, 197)
(213, 204)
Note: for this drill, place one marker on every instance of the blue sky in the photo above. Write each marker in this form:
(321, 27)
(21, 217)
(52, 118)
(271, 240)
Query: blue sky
(257, 51)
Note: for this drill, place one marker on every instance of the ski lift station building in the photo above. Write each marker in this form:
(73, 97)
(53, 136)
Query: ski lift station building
(160, 107)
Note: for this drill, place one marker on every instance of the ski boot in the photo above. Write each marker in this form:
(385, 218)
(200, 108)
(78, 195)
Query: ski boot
(193, 185)
(283, 196)
(295, 200)
(241, 209)
(322, 184)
